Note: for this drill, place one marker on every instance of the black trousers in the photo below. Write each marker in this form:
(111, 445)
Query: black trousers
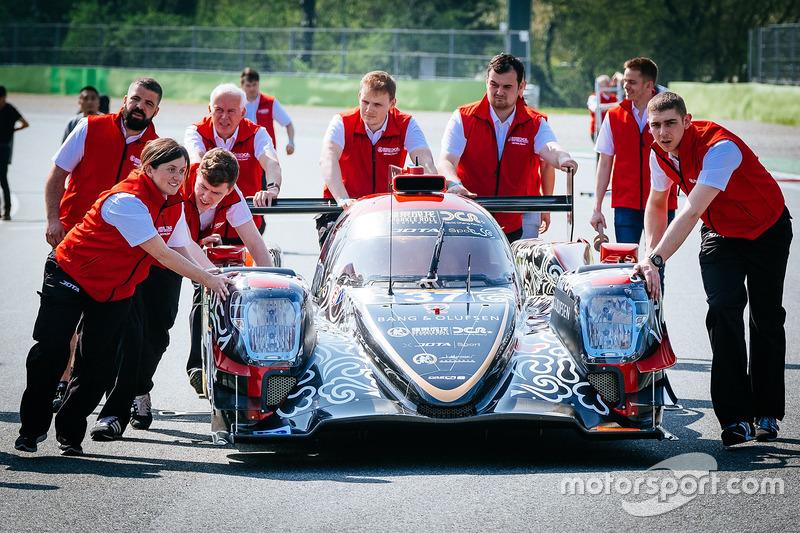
(144, 339)
(737, 272)
(63, 302)
(5, 160)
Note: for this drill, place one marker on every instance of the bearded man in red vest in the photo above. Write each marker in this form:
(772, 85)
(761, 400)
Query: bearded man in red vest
(263, 109)
(226, 127)
(745, 239)
(624, 147)
(361, 143)
(491, 147)
(99, 152)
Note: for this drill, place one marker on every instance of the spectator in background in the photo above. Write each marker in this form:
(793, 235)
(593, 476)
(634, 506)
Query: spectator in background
(89, 103)
(264, 109)
(9, 117)
(606, 101)
(491, 147)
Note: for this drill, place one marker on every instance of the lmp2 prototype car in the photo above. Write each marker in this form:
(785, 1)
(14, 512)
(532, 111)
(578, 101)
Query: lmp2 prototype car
(421, 312)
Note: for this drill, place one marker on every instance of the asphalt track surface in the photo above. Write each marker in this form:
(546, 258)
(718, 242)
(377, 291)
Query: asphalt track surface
(172, 478)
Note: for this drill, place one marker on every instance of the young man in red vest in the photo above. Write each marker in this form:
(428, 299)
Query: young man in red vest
(259, 177)
(263, 109)
(94, 273)
(745, 239)
(490, 147)
(99, 152)
(361, 143)
(624, 148)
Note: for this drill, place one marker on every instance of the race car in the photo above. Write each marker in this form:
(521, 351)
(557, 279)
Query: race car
(421, 313)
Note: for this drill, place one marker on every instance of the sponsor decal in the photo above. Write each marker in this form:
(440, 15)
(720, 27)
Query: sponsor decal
(424, 359)
(136, 161)
(336, 296)
(430, 331)
(470, 330)
(455, 359)
(467, 344)
(425, 344)
(397, 332)
(446, 378)
(460, 216)
(561, 308)
(263, 111)
(388, 150)
(519, 141)
(436, 309)
(416, 216)
(446, 318)
(165, 230)
(242, 157)
(69, 285)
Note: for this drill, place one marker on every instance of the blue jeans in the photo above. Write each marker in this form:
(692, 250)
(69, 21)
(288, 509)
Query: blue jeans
(629, 223)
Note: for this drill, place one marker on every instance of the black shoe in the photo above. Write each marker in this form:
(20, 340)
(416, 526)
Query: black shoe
(766, 429)
(141, 412)
(6, 217)
(196, 380)
(70, 450)
(738, 433)
(106, 428)
(58, 399)
(26, 443)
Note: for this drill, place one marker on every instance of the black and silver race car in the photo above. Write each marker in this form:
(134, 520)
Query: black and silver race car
(420, 312)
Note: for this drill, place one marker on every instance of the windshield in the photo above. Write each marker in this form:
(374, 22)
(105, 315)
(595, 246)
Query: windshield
(364, 254)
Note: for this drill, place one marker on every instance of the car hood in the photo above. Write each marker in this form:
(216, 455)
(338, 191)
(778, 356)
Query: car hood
(444, 350)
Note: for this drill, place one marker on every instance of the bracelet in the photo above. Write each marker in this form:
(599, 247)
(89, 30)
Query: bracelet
(273, 184)
(454, 184)
(342, 199)
(290, 143)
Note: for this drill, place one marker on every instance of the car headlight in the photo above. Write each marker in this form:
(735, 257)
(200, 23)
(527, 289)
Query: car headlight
(612, 327)
(269, 326)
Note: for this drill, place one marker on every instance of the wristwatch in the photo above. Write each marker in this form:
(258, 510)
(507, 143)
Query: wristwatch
(657, 261)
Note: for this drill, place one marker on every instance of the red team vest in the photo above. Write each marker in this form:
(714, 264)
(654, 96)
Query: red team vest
(96, 255)
(264, 115)
(107, 159)
(365, 168)
(630, 177)
(479, 169)
(751, 202)
(250, 170)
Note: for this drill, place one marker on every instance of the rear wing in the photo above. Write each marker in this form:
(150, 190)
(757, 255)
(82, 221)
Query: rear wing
(493, 204)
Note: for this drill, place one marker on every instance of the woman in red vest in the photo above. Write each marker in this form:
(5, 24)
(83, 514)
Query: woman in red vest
(93, 275)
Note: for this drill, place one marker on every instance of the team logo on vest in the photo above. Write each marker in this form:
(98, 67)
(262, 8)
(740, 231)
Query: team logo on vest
(242, 157)
(263, 112)
(136, 161)
(388, 150)
(165, 230)
(519, 141)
